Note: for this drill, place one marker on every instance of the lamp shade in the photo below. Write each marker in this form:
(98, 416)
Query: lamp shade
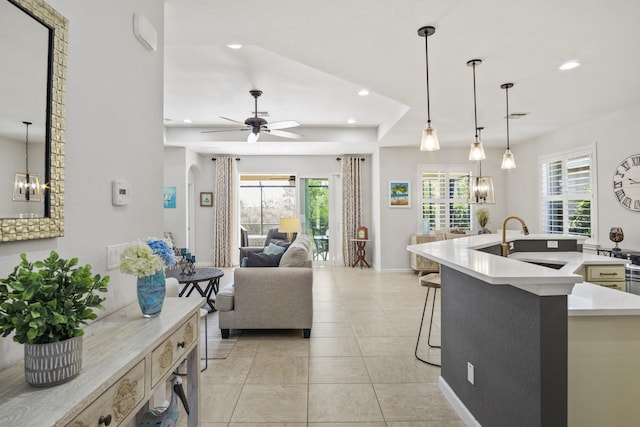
(508, 160)
(477, 151)
(481, 190)
(290, 225)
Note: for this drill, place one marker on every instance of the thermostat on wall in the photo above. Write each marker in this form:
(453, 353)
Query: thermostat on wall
(120, 192)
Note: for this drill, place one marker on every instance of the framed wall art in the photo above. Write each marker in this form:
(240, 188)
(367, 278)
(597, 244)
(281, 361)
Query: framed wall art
(399, 194)
(206, 199)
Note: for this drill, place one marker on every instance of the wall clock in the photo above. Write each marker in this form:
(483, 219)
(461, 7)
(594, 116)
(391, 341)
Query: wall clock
(626, 183)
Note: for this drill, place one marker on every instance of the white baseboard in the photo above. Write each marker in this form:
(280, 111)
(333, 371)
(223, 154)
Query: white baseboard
(462, 411)
(395, 270)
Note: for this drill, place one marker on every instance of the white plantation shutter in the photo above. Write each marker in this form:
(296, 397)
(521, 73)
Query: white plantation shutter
(444, 199)
(566, 189)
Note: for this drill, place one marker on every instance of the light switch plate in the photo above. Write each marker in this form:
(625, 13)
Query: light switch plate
(113, 255)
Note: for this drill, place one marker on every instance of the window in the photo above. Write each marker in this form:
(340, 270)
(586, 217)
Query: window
(263, 201)
(445, 199)
(567, 193)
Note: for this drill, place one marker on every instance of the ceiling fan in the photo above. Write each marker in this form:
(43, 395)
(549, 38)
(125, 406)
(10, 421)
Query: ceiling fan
(257, 124)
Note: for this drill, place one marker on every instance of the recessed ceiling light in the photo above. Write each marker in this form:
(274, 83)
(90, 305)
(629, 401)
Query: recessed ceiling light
(234, 46)
(569, 65)
(188, 121)
(363, 92)
(351, 121)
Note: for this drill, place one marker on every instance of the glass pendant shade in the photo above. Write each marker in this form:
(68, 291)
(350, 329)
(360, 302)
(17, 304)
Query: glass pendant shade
(429, 139)
(481, 190)
(253, 137)
(508, 160)
(26, 187)
(477, 151)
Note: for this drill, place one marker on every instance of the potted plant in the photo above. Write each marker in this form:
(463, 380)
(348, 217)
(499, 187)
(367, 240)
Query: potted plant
(147, 260)
(45, 303)
(483, 220)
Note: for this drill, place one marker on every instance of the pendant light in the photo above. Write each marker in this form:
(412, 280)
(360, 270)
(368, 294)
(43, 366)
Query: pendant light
(481, 187)
(477, 151)
(429, 140)
(508, 159)
(26, 186)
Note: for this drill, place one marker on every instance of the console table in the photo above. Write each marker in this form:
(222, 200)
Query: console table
(126, 359)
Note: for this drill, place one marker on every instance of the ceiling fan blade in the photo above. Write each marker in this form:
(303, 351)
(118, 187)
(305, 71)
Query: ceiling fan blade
(223, 130)
(283, 124)
(231, 120)
(285, 134)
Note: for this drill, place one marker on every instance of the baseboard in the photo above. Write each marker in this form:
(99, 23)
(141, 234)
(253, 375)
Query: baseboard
(395, 270)
(462, 411)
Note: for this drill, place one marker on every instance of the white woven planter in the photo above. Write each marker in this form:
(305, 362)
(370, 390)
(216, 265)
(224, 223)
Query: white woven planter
(54, 363)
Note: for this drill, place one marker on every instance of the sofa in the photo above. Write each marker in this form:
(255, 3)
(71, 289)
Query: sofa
(270, 297)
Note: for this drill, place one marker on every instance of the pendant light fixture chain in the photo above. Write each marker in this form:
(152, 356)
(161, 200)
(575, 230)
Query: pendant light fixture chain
(506, 87)
(429, 141)
(472, 63)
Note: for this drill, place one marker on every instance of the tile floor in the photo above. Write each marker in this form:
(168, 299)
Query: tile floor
(357, 369)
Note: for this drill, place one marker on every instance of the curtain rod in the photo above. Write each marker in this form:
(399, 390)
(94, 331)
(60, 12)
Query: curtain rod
(213, 159)
(340, 158)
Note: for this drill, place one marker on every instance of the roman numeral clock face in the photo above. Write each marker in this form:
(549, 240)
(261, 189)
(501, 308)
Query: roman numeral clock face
(626, 183)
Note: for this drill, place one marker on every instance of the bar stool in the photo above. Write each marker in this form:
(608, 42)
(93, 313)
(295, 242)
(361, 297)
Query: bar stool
(431, 281)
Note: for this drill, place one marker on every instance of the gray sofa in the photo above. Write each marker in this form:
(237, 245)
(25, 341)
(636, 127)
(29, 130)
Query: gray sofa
(271, 297)
(273, 236)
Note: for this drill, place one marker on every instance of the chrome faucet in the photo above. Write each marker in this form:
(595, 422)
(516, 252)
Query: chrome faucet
(525, 231)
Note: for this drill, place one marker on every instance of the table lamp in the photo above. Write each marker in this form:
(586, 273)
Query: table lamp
(290, 226)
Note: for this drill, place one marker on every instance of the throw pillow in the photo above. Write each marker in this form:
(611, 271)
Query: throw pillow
(296, 256)
(275, 249)
(263, 259)
(244, 262)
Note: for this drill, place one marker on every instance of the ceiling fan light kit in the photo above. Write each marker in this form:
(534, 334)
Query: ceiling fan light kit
(429, 141)
(255, 125)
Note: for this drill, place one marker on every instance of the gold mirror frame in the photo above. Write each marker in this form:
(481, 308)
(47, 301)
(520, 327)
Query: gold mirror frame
(13, 229)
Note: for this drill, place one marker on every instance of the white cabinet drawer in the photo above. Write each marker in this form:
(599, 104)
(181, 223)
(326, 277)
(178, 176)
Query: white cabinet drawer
(173, 349)
(604, 273)
(115, 404)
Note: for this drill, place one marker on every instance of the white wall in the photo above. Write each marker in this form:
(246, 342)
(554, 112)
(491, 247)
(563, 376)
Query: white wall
(114, 129)
(615, 136)
(398, 224)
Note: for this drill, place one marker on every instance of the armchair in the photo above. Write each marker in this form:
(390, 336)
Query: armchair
(273, 236)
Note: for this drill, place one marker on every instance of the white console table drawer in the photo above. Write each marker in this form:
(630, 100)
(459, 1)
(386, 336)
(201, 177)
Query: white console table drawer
(116, 403)
(173, 349)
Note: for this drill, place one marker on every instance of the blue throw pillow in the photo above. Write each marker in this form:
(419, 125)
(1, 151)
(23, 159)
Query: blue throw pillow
(263, 259)
(274, 249)
(244, 262)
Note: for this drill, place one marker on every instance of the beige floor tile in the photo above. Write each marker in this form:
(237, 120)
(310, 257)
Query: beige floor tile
(217, 401)
(387, 346)
(278, 370)
(413, 402)
(400, 369)
(336, 316)
(244, 348)
(337, 370)
(213, 424)
(362, 424)
(438, 423)
(378, 327)
(296, 347)
(343, 403)
(267, 424)
(338, 329)
(227, 371)
(328, 305)
(271, 403)
(330, 346)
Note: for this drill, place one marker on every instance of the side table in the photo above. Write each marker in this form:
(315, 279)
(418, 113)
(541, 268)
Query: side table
(212, 275)
(360, 252)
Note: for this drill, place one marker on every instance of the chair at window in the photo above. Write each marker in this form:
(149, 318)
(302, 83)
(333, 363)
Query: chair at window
(273, 236)
(322, 245)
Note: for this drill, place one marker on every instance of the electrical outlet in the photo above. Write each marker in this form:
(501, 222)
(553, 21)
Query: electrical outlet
(552, 244)
(511, 246)
(113, 255)
(471, 373)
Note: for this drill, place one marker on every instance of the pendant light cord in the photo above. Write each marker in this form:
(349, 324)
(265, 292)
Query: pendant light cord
(426, 49)
(506, 91)
(475, 107)
(27, 148)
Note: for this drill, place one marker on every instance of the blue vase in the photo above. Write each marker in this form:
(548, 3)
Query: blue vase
(151, 292)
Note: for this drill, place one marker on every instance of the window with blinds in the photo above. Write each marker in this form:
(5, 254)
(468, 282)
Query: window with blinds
(445, 199)
(566, 193)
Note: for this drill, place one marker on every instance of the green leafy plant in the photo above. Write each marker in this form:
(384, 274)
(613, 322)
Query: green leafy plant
(47, 301)
(483, 217)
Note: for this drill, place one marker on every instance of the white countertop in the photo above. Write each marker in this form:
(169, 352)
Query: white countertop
(588, 299)
(462, 254)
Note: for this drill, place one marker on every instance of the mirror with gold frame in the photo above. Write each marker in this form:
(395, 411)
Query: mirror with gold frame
(49, 221)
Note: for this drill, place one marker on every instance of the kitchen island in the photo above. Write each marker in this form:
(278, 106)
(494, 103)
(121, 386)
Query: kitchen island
(511, 320)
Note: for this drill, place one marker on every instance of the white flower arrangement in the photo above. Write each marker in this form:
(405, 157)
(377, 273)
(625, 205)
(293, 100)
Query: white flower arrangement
(146, 258)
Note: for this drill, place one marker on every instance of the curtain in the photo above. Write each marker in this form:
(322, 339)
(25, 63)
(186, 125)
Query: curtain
(224, 226)
(351, 206)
